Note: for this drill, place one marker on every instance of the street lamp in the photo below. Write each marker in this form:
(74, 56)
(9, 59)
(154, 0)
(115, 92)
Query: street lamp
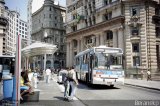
(45, 36)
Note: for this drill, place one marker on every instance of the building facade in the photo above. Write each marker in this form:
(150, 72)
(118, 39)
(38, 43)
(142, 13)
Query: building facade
(15, 26)
(23, 29)
(132, 25)
(48, 26)
(3, 28)
(13, 30)
(29, 20)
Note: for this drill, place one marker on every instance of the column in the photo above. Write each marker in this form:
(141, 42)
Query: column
(26, 63)
(67, 54)
(78, 46)
(1, 43)
(102, 38)
(71, 53)
(97, 40)
(51, 60)
(33, 58)
(120, 39)
(82, 43)
(44, 61)
(115, 38)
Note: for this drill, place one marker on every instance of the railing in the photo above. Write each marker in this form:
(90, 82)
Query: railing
(3, 20)
(134, 21)
(104, 6)
(136, 72)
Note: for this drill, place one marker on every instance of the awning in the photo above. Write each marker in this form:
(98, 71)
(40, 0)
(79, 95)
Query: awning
(39, 48)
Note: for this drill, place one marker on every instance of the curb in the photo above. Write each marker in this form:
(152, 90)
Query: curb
(158, 89)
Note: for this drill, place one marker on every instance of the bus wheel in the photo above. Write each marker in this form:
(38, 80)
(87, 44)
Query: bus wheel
(112, 86)
(87, 78)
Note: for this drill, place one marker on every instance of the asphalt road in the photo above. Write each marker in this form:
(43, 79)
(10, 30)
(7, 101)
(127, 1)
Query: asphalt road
(120, 95)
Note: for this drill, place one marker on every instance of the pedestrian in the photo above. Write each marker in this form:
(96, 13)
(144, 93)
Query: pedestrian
(107, 63)
(48, 73)
(73, 82)
(142, 73)
(30, 76)
(35, 75)
(1, 73)
(66, 85)
(149, 75)
(26, 80)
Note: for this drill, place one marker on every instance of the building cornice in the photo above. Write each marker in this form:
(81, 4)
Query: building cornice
(55, 6)
(98, 25)
(3, 21)
(42, 28)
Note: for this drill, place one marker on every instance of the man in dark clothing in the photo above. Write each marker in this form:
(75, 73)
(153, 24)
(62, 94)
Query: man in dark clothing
(108, 64)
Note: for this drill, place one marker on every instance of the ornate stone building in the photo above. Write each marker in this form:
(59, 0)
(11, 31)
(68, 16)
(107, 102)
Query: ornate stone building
(12, 26)
(132, 25)
(48, 26)
(29, 20)
(3, 29)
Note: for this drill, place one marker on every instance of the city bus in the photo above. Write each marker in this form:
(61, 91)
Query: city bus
(100, 65)
(7, 65)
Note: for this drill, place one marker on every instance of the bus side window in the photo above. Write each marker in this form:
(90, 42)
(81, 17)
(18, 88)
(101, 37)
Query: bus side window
(91, 61)
(95, 61)
(83, 59)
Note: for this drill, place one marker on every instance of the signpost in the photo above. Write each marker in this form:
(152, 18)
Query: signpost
(16, 79)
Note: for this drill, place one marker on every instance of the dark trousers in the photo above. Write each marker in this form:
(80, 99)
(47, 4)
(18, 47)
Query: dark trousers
(0, 77)
(149, 77)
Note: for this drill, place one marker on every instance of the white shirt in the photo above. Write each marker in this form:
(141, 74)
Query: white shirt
(30, 75)
(48, 72)
(72, 74)
(148, 72)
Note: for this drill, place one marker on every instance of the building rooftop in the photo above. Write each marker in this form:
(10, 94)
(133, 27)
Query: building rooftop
(2, 1)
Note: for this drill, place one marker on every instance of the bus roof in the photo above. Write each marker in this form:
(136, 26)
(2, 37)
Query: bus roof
(99, 49)
(7, 56)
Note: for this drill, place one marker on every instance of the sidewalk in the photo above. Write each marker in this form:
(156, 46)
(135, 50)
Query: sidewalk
(143, 83)
(51, 95)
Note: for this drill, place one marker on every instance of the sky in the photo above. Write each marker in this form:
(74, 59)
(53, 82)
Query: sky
(21, 6)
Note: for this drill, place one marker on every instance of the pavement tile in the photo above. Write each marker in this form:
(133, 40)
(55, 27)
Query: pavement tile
(50, 95)
(143, 83)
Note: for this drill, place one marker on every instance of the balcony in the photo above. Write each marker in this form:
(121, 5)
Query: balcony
(3, 21)
(97, 26)
(109, 43)
(136, 53)
(76, 20)
(72, 3)
(134, 21)
(156, 19)
(72, 22)
(135, 38)
(106, 6)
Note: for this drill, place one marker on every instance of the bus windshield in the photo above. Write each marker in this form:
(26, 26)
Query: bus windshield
(105, 59)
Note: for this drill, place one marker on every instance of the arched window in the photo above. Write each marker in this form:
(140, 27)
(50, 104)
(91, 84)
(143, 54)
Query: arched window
(109, 35)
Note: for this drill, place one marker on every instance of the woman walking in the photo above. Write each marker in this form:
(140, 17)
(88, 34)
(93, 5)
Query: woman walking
(73, 82)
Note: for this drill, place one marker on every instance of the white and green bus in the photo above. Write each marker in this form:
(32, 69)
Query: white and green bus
(100, 65)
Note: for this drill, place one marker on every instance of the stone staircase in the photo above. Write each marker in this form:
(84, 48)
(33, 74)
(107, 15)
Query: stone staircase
(155, 76)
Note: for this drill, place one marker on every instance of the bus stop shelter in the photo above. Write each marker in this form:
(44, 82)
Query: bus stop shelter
(39, 48)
